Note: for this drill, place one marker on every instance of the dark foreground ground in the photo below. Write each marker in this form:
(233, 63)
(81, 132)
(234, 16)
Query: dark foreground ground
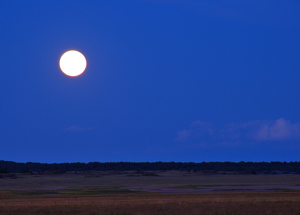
(156, 192)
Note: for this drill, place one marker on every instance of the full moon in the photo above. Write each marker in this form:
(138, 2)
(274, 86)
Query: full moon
(72, 63)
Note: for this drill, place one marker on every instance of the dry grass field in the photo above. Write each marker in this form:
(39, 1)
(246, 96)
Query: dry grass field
(171, 192)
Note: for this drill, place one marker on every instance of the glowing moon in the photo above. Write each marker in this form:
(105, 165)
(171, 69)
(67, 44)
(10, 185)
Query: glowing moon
(72, 63)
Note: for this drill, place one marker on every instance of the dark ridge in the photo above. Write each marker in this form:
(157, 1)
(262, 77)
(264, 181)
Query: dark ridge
(210, 167)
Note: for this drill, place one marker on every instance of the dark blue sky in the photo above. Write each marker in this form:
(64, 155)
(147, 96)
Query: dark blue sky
(180, 80)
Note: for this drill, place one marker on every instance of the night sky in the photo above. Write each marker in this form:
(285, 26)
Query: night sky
(166, 80)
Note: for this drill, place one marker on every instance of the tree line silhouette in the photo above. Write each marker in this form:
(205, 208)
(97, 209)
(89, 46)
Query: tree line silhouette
(274, 167)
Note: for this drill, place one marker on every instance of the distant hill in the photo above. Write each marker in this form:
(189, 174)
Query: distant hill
(206, 167)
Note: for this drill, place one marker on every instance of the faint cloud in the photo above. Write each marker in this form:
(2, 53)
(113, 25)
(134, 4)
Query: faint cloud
(183, 135)
(280, 129)
(197, 129)
(258, 130)
(75, 128)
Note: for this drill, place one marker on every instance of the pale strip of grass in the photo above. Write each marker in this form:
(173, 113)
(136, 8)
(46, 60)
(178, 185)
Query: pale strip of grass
(155, 204)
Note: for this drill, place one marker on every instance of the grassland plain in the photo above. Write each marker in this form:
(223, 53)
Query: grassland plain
(116, 193)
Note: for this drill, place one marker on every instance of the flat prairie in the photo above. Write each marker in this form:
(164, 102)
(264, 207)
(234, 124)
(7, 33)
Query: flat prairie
(148, 192)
